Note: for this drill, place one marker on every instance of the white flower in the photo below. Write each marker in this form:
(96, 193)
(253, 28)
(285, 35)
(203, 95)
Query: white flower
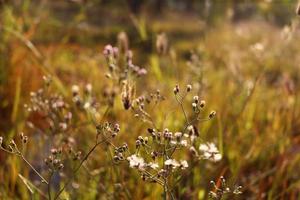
(210, 152)
(183, 164)
(172, 163)
(136, 162)
(88, 88)
(153, 165)
(87, 105)
(75, 89)
(1, 140)
(178, 134)
(183, 143)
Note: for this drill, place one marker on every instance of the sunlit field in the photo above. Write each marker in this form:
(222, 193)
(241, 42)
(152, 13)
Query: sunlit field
(107, 99)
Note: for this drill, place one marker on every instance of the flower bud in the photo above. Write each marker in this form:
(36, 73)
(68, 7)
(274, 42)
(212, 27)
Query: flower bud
(212, 114)
(176, 89)
(188, 88)
(196, 99)
(202, 104)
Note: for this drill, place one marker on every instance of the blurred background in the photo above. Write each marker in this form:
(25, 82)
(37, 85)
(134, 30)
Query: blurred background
(244, 54)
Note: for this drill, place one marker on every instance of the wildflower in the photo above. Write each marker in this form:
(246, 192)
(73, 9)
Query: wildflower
(178, 135)
(108, 50)
(188, 88)
(142, 71)
(193, 151)
(183, 164)
(153, 165)
(176, 89)
(183, 143)
(212, 114)
(173, 142)
(75, 90)
(136, 162)
(86, 105)
(210, 152)
(88, 88)
(117, 128)
(202, 104)
(154, 154)
(196, 99)
(172, 163)
(63, 126)
(194, 105)
(1, 140)
(138, 143)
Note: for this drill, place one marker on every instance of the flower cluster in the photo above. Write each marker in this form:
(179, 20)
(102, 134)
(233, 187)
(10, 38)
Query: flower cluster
(121, 65)
(156, 156)
(223, 189)
(84, 100)
(210, 152)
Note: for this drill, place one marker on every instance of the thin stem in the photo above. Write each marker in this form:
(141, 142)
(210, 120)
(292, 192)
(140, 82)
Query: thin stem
(78, 167)
(28, 163)
(182, 108)
(49, 186)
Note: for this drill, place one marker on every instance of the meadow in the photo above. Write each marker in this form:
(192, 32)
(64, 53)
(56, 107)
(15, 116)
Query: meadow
(149, 99)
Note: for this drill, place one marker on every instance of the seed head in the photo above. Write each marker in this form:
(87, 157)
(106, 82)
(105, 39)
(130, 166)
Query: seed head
(88, 88)
(176, 89)
(212, 114)
(138, 143)
(194, 105)
(202, 104)
(75, 90)
(188, 88)
(61, 166)
(196, 99)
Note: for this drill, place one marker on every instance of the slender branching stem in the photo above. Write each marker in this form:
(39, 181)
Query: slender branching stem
(79, 166)
(182, 108)
(49, 186)
(35, 171)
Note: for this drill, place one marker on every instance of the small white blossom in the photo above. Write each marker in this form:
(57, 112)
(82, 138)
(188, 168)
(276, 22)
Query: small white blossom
(75, 89)
(183, 143)
(88, 88)
(172, 163)
(153, 165)
(183, 164)
(87, 105)
(178, 134)
(136, 161)
(210, 152)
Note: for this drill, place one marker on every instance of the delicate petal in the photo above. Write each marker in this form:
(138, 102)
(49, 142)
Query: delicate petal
(183, 164)
(153, 165)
